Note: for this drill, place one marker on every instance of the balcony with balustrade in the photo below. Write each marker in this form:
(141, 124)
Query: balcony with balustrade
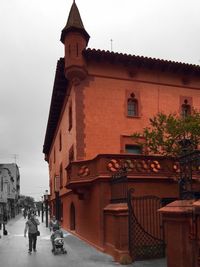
(82, 174)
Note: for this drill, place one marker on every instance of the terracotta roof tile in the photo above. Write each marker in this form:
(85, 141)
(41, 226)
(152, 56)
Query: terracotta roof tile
(140, 60)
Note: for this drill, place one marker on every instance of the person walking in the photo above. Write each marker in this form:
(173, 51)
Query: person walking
(32, 227)
(53, 223)
(56, 233)
(5, 220)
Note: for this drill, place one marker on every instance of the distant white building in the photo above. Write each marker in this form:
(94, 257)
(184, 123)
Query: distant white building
(9, 190)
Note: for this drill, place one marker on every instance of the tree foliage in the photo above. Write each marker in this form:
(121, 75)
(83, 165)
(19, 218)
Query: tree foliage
(26, 201)
(166, 133)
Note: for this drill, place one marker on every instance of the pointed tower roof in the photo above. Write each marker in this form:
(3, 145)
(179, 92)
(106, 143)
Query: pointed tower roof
(74, 23)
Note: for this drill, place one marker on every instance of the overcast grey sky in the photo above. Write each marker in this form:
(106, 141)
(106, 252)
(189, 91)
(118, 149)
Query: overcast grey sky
(30, 47)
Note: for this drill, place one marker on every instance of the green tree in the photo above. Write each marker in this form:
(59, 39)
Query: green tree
(167, 134)
(26, 201)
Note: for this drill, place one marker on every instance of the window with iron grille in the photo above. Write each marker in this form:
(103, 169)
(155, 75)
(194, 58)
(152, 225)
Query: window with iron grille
(132, 105)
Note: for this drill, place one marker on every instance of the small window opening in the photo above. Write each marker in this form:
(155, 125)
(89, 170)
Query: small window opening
(133, 149)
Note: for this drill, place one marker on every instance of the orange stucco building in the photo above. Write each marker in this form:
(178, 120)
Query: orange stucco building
(99, 99)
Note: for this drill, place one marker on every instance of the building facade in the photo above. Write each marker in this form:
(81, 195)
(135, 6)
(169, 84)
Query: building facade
(9, 190)
(99, 99)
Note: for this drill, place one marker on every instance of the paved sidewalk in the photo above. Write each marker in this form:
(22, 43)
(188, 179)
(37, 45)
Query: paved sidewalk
(14, 248)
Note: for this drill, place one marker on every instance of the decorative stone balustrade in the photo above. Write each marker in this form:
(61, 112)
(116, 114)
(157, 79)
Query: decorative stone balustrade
(137, 166)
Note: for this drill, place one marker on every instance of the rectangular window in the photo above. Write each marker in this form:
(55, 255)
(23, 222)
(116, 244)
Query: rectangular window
(133, 149)
(132, 108)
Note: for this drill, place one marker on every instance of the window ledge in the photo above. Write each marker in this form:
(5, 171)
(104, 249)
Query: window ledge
(133, 117)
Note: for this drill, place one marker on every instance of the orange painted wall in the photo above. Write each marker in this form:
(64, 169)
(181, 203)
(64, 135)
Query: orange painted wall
(103, 121)
(89, 213)
(68, 139)
(97, 93)
(105, 103)
(104, 109)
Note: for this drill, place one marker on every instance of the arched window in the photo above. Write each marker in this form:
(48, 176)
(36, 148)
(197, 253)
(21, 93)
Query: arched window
(185, 109)
(72, 217)
(132, 106)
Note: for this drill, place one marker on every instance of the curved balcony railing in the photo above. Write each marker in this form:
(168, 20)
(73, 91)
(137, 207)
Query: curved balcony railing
(104, 166)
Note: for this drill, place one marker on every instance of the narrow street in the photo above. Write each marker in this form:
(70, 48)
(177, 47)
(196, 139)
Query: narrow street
(14, 251)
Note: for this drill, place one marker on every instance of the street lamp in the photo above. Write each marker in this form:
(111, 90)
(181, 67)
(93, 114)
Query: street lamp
(46, 206)
(57, 186)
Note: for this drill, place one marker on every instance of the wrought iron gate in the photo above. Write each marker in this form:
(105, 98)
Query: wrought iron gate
(146, 235)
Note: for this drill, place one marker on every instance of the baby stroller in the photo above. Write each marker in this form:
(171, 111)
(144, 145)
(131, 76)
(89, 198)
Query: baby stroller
(59, 246)
(58, 242)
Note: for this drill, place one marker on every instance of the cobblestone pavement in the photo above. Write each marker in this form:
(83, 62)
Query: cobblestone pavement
(14, 248)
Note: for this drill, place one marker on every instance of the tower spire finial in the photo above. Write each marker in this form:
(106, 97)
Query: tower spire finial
(74, 23)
